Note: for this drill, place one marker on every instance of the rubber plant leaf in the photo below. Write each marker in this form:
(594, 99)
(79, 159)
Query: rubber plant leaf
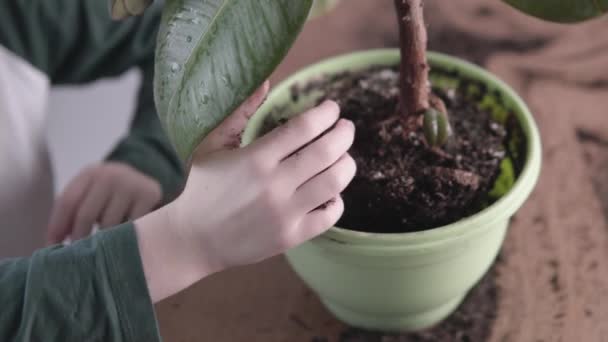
(212, 54)
(564, 11)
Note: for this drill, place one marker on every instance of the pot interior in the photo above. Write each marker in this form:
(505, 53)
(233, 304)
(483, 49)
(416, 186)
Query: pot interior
(491, 94)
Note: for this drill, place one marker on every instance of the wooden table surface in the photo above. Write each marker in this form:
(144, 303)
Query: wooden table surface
(552, 277)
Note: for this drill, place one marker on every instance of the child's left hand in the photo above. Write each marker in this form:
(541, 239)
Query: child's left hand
(107, 194)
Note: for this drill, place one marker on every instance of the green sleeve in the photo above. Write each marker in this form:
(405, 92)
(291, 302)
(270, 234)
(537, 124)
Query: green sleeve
(92, 290)
(75, 41)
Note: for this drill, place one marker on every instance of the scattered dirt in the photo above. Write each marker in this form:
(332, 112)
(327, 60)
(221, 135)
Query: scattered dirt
(595, 149)
(402, 185)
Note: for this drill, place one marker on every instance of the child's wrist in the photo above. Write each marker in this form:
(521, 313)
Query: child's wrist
(190, 237)
(170, 258)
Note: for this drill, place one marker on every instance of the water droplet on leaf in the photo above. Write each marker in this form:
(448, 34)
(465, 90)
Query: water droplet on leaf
(227, 79)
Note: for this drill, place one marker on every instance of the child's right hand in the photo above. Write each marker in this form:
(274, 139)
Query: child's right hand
(241, 206)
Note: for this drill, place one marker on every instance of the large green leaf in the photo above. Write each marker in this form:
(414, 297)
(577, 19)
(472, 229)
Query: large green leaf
(212, 54)
(562, 10)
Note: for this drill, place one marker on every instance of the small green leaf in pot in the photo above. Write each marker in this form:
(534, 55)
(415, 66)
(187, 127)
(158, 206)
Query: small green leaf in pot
(211, 55)
(437, 127)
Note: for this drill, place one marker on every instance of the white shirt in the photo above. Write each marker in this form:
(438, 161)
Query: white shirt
(26, 181)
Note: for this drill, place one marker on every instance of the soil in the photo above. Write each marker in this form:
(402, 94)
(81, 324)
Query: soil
(402, 185)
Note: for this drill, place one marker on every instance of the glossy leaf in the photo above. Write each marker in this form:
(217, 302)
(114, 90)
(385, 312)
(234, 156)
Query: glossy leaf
(566, 11)
(212, 54)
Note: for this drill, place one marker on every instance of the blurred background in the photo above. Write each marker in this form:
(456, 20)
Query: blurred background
(85, 122)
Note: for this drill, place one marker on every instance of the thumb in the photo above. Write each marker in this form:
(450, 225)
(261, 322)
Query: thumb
(228, 134)
(66, 207)
(121, 9)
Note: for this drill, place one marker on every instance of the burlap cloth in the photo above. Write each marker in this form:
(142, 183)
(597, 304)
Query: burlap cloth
(552, 278)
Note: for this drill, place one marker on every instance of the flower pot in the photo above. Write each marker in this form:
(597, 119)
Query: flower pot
(409, 281)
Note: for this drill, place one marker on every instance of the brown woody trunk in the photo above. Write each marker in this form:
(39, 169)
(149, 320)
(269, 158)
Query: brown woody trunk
(414, 84)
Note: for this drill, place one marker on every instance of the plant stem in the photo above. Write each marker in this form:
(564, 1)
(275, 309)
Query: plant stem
(414, 84)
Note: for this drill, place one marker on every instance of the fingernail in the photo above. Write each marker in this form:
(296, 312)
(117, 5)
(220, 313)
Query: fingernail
(330, 103)
(345, 122)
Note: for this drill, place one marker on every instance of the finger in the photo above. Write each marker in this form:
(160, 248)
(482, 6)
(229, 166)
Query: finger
(298, 131)
(319, 155)
(121, 9)
(320, 220)
(118, 10)
(116, 210)
(136, 7)
(141, 208)
(90, 210)
(327, 185)
(228, 133)
(66, 207)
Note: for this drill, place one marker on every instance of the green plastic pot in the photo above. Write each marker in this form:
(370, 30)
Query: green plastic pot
(409, 281)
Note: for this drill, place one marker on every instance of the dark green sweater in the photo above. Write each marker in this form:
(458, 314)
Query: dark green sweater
(93, 290)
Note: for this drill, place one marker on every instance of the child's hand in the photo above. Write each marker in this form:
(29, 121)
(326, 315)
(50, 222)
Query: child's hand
(107, 194)
(245, 205)
(241, 206)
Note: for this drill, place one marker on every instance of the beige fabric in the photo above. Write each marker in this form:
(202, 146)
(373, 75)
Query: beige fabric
(26, 187)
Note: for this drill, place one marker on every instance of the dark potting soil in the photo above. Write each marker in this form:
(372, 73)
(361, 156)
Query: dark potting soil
(401, 184)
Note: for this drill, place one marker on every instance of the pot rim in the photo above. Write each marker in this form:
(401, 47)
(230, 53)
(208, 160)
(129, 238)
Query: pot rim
(478, 223)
